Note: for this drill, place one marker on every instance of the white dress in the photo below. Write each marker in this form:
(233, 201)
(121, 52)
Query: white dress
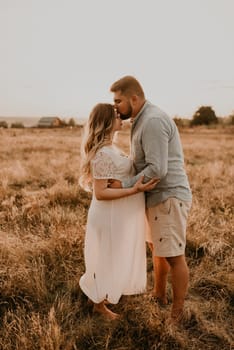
(115, 251)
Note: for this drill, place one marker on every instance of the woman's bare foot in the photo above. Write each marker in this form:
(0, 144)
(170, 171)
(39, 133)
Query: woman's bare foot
(102, 309)
(90, 302)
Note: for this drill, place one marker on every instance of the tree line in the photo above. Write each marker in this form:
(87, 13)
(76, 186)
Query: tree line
(19, 125)
(204, 115)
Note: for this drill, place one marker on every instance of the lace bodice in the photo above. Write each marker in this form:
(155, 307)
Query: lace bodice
(109, 163)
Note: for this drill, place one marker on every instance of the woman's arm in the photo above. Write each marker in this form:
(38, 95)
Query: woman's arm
(103, 192)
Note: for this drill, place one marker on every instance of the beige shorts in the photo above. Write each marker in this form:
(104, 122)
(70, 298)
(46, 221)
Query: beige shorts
(167, 227)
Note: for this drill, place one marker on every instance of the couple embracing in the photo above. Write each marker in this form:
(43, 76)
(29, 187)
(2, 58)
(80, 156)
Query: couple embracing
(143, 197)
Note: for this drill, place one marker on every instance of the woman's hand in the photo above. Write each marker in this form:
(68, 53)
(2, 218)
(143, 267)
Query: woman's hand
(148, 186)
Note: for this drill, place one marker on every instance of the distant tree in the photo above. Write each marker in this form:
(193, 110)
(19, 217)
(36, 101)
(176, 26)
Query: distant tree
(71, 122)
(63, 123)
(231, 118)
(205, 115)
(178, 121)
(17, 125)
(3, 124)
(227, 120)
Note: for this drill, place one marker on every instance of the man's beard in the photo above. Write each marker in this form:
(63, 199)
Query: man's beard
(126, 115)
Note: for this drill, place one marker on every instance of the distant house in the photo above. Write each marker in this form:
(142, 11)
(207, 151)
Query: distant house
(3, 124)
(50, 122)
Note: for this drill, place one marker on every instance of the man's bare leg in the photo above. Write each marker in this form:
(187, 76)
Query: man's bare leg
(161, 270)
(179, 280)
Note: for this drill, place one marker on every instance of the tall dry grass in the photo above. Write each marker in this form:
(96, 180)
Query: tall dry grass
(42, 222)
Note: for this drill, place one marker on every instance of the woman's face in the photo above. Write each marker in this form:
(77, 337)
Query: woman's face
(117, 122)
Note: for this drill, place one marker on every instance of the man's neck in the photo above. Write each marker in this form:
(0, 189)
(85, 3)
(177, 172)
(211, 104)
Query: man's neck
(138, 108)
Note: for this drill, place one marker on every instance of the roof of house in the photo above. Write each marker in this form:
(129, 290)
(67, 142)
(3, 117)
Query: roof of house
(48, 120)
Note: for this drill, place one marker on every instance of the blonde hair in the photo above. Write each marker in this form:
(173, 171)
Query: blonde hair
(128, 86)
(97, 133)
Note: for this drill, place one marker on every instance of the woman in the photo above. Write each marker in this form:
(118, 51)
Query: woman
(115, 257)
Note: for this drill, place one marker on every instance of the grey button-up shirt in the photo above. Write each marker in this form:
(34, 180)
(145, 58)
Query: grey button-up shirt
(157, 152)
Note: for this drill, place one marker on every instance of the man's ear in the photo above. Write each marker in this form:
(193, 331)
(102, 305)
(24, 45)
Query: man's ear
(134, 99)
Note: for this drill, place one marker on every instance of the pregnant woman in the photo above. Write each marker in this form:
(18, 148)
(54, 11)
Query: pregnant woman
(114, 252)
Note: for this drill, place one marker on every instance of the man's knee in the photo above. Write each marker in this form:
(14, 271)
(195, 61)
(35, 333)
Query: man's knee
(176, 260)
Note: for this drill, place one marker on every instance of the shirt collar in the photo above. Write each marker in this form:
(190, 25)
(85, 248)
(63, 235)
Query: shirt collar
(139, 114)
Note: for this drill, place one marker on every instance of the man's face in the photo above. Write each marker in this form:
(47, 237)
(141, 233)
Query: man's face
(123, 105)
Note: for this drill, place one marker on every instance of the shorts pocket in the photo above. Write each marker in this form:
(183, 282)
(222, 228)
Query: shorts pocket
(169, 242)
(164, 208)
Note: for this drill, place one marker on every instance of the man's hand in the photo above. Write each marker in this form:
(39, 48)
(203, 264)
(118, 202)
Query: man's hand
(139, 185)
(114, 183)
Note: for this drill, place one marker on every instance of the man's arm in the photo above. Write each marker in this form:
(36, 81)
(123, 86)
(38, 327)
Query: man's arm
(155, 138)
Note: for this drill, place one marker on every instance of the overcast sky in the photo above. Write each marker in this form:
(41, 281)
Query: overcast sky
(59, 57)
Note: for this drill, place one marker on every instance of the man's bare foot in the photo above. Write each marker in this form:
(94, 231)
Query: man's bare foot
(177, 316)
(103, 310)
(161, 300)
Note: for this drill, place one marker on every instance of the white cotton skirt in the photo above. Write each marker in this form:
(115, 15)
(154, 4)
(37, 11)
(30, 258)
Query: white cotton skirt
(115, 249)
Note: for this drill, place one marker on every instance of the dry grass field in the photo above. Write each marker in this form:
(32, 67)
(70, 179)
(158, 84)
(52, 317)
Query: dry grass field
(42, 222)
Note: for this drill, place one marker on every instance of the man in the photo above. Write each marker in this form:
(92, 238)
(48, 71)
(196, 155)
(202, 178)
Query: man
(157, 152)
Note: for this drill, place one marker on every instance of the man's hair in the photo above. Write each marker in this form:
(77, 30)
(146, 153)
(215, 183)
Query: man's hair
(128, 86)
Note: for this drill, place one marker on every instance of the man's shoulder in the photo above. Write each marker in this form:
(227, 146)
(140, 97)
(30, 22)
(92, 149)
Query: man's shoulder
(153, 111)
(156, 119)
(155, 116)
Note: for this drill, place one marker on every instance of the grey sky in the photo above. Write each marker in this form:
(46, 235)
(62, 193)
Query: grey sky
(61, 56)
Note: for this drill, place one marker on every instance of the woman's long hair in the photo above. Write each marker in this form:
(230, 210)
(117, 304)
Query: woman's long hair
(97, 133)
